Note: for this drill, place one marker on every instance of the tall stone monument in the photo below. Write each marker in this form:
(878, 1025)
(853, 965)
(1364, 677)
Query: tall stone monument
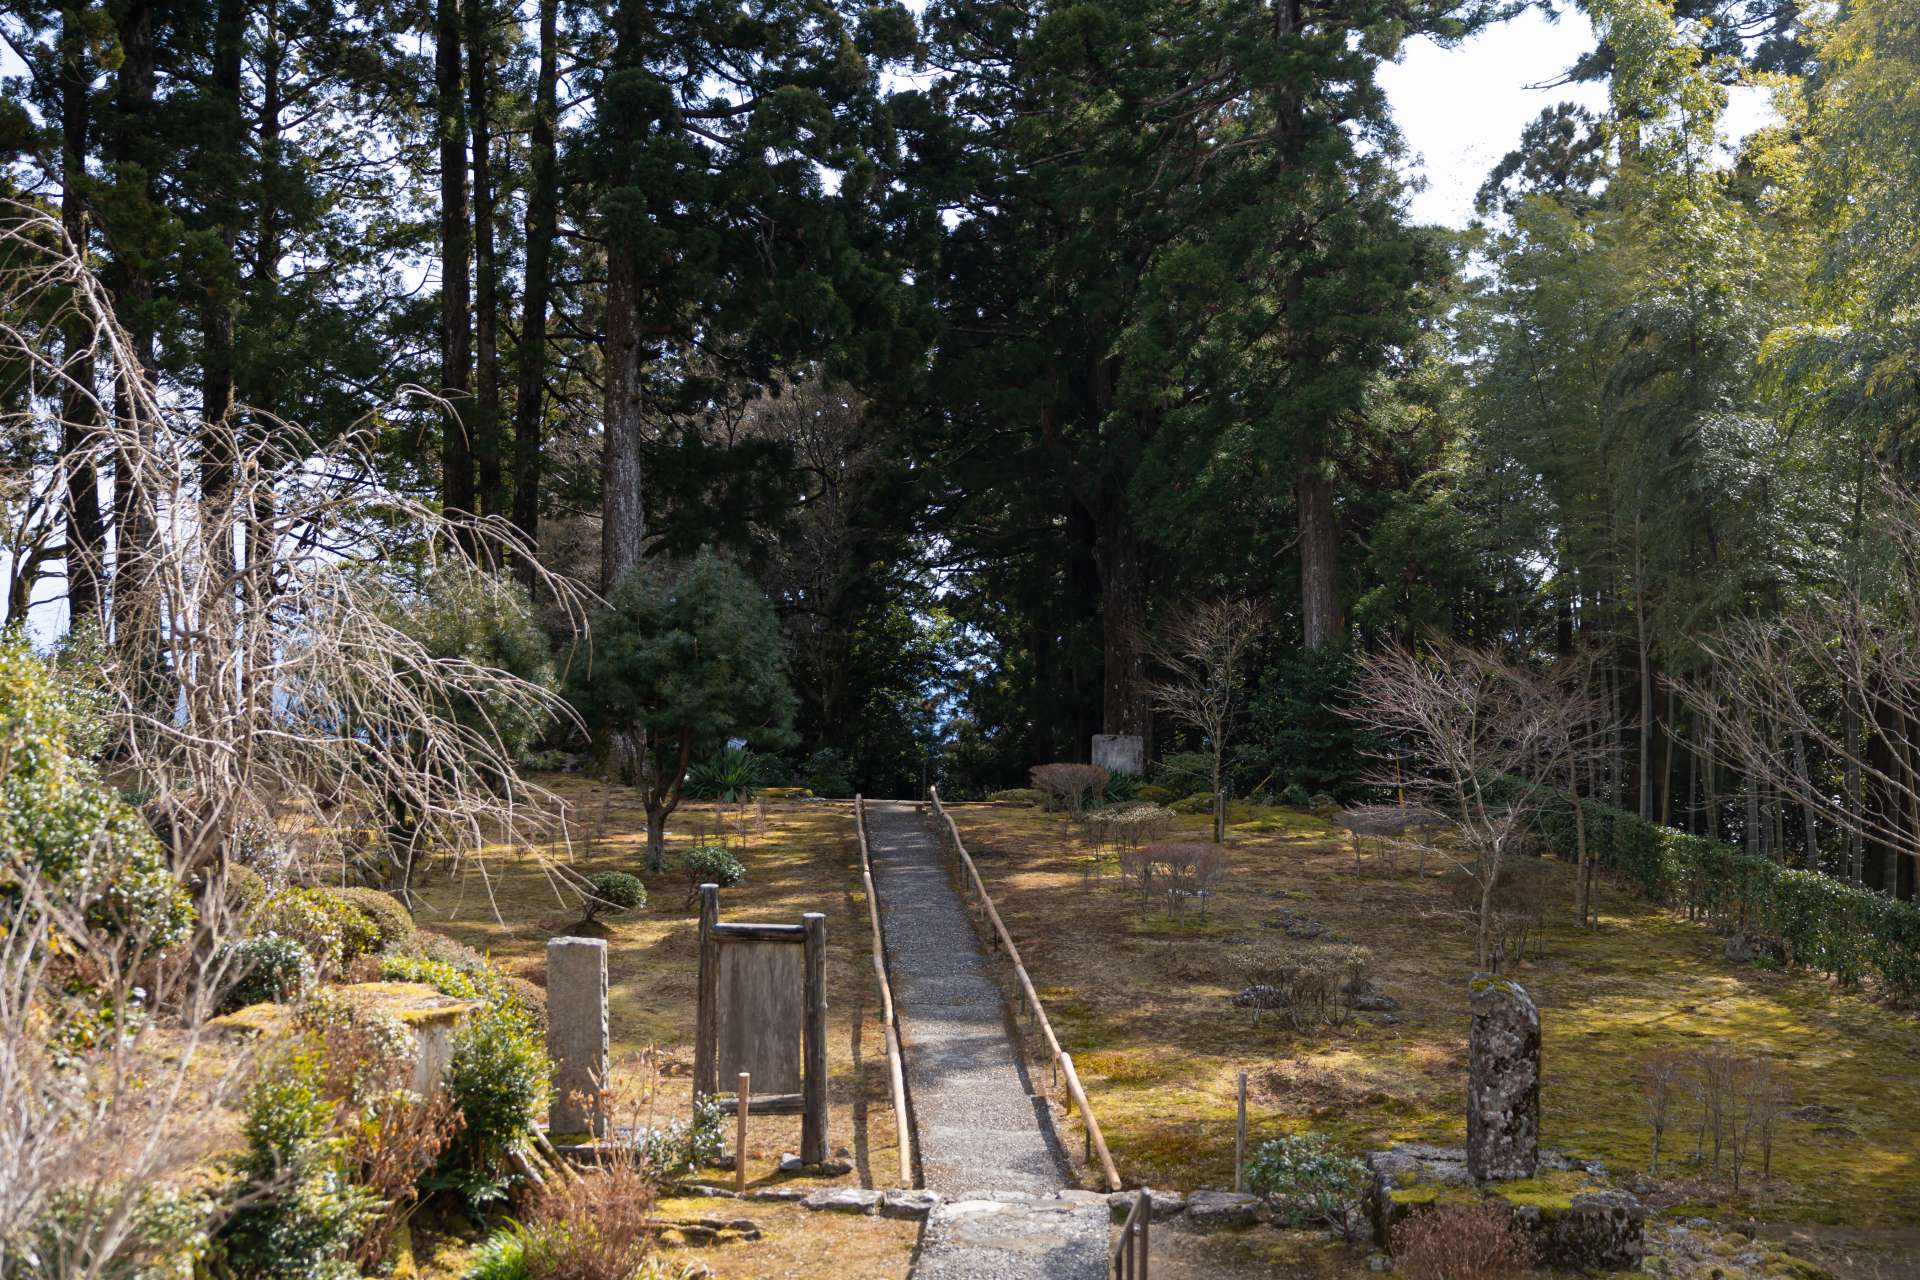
(1503, 1082)
(577, 1037)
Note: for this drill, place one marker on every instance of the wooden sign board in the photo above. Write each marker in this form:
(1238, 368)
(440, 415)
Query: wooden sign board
(761, 1006)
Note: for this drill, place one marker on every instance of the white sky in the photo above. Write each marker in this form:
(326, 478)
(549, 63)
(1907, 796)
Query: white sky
(1462, 109)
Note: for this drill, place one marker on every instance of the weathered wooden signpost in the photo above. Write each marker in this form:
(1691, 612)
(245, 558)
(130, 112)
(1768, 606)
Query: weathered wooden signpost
(763, 1012)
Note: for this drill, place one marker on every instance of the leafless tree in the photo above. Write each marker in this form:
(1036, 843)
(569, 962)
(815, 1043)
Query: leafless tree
(1769, 705)
(1203, 652)
(1489, 740)
(258, 669)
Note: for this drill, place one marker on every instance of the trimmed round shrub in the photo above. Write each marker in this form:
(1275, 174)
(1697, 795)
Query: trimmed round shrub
(438, 947)
(1019, 795)
(441, 976)
(332, 929)
(266, 969)
(245, 890)
(390, 916)
(712, 864)
(1154, 794)
(1199, 802)
(1305, 1181)
(613, 892)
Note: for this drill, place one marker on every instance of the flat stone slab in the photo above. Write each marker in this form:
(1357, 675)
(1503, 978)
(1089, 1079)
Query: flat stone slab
(908, 1204)
(1161, 1205)
(1031, 1238)
(1222, 1209)
(844, 1200)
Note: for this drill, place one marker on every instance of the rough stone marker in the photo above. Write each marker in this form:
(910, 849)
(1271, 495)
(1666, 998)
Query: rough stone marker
(1503, 1082)
(577, 1036)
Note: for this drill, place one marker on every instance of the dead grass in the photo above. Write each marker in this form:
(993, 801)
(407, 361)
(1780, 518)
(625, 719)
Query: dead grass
(803, 859)
(1142, 1004)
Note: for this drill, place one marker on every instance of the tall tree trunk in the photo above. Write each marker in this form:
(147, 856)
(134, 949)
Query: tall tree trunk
(543, 200)
(1644, 649)
(1666, 770)
(1125, 705)
(1319, 557)
(1812, 856)
(135, 527)
(456, 332)
(80, 410)
(1855, 852)
(623, 518)
(218, 458)
(484, 424)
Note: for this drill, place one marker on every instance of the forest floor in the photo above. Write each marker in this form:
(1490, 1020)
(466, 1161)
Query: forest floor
(1143, 1003)
(800, 856)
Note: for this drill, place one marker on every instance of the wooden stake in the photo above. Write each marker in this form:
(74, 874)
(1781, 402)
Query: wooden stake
(1240, 1140)
(740, 1133)
(813, 1076)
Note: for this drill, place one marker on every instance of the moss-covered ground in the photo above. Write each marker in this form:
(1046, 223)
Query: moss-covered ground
(1142, 1001)
(800, 856)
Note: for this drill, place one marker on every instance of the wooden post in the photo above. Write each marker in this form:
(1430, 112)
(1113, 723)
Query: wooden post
(1140, 1240)
(813, 1123)
(706, 1029)
(740, 1133)
(1240, 1140)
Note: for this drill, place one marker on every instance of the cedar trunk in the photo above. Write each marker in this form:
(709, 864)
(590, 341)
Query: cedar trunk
(542, 212)
(1319, 558)
(456, 333)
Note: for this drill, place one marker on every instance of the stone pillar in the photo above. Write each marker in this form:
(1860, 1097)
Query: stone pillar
(577, 1039)
(1503, 1082)
(1120, 753)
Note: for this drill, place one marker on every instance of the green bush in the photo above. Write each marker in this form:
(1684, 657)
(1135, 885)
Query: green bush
(298, 1212)
(391, 920)
(82, 845)
(1019, 795)
(1120, 788)
(1199, 802)
(710, 864)
(1296, 795)
(74, 1234)
(828, 774)
(498, 1078)
(332, 929)
(1153, 793)
(734, 774)
(443, 977)
(245, 891)
(265, 968)
(680, 1147)
(1823, 924)
(1304, 1180)
(425, 944)
(613, 892)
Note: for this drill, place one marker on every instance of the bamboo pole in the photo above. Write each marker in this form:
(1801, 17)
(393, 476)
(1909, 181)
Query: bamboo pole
(1062, 1061)
(740, 1133)
(896, 1074)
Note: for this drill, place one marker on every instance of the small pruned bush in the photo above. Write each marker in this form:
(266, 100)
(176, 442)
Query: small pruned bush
(1305, 1181)
(264, 969)
(1198, 802)
(498, 1077)
(1068, 786)
(1185, 772)
(611, 893)
(392, 922)
(1461, 1242)
(1019, 795)
(1311, 984)
(710, 864)
(680, 1146)
(1153, 793)
(1189, 869)
(300, 1215)
(332, 929)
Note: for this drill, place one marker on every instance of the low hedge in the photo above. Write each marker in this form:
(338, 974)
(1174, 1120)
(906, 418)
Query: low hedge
(1825, 924)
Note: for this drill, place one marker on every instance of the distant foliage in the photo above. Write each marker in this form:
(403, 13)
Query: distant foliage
(1184, 773)
(1307, 1182)
(1295, 735)
(1069, 786)
(460, 614)
(1019, 795)
(1461, 1242)
(828, 774)
(734, 775)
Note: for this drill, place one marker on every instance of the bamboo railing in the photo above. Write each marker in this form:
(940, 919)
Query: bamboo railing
(1062, 1060)
(896, 1076)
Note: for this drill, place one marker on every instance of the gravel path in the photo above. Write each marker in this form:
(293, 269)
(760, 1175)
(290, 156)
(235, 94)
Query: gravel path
(986, 1140)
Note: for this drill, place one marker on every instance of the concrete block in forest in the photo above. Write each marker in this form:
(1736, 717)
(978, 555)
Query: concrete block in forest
(1120, 753)
(577, 1035)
